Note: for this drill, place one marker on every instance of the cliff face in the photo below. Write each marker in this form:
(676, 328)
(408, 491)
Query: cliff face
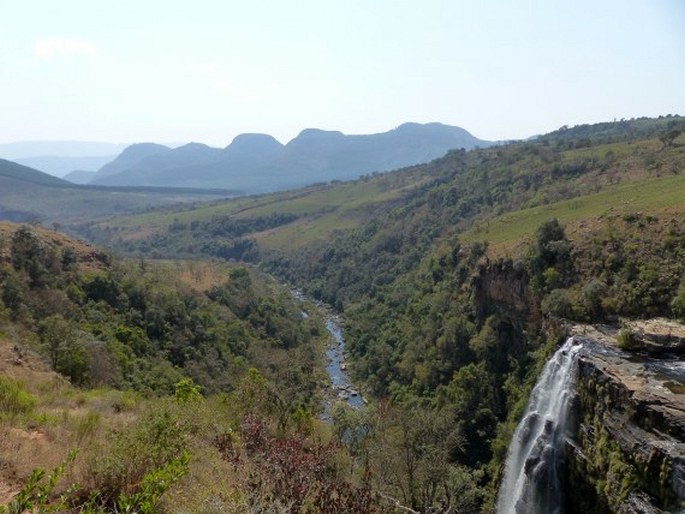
(502, 287)
(628, 451)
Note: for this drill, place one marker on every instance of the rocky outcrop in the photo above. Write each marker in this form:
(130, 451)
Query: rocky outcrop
(502, 287)
(658, 336)
(628, 451)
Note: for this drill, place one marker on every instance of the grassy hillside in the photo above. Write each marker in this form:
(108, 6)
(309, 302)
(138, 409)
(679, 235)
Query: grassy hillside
(663, 195)
(289, 221)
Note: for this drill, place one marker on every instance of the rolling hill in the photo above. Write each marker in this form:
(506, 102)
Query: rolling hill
(27, 194)
(62, 166)
(13, 171)
(59, 158)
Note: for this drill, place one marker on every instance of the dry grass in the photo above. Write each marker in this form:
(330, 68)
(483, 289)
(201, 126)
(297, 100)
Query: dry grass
(64, 419)
(200, 276)
(27, 441)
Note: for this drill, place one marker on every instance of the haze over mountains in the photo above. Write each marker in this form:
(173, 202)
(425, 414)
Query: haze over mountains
(29, 195)
(258, 163)
(61, 157)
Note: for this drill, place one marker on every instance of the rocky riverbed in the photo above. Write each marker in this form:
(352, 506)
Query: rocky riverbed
(340, 385)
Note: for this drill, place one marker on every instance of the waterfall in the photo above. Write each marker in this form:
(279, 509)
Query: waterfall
(533, 480)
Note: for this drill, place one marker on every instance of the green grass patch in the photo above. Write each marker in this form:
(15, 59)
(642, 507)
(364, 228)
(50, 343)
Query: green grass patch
(649, 195)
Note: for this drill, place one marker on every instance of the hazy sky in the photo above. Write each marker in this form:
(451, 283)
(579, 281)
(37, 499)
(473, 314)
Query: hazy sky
(207, 70)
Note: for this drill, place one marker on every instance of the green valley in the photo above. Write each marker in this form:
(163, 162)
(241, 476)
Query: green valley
(456, 280)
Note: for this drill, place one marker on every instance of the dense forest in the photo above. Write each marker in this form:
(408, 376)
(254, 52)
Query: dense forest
(456, 280)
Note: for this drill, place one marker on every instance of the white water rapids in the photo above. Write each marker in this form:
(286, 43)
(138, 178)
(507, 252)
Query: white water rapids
(533, 480)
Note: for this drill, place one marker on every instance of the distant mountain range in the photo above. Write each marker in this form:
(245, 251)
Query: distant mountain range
(62, 166)
(25, 149)
(61, 157)
(27, 194)
(257, 163)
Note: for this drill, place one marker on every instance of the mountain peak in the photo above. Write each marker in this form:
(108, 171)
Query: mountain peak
(314, 133)
(258, 143)
(430, 128)
(140, 150)
(256, 162)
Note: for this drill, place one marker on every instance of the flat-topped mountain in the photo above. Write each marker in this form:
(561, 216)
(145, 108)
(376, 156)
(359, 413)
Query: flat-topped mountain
(257, 163)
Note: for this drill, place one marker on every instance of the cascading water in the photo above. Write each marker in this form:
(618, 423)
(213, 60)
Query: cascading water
(533, 480)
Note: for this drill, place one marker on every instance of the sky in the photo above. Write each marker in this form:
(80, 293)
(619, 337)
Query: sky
(177, 71)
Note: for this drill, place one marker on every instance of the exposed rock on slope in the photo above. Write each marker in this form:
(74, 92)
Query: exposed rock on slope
(629, 452)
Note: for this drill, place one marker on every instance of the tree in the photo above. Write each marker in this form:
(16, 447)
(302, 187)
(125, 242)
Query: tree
(410, 452)
(593, 293)
(65, 348)
(668, 137)
(29, 254)
(13, 291)
(557, 303)
(551, 250)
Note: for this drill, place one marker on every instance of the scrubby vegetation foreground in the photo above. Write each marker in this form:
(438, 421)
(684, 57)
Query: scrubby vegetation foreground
(169, 387)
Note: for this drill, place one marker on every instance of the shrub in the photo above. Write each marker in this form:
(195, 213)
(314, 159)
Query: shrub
(594, 293)
(557, 303)
(154, 442)
(627, 340)
(300, 473)
(13, 398)
(153, 486)
(87, 425)
(186, 390)
(38, 493)
(678, 304)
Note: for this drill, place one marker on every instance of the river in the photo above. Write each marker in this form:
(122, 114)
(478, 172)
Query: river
(337, 369)
(341, 388)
